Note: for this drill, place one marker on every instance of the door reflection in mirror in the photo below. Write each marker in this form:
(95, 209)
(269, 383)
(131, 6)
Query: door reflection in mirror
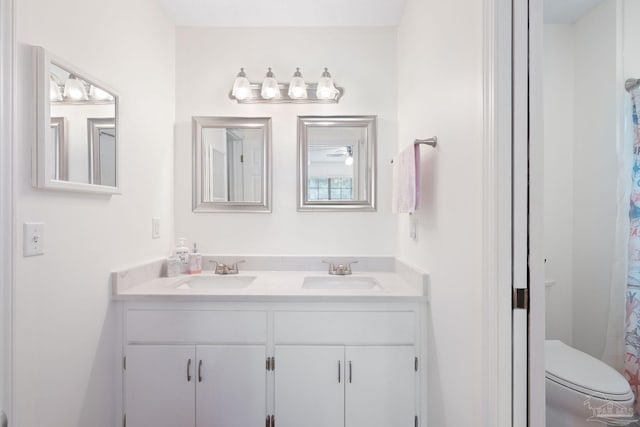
(102, 151)
(231, 159)
(232, 164)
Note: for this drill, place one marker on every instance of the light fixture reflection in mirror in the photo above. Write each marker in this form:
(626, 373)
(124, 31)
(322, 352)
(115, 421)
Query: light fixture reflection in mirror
(232, 157)
(336, 163)
(77, 133)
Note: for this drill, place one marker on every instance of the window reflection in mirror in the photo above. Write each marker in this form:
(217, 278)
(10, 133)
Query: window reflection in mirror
(231, 158)
(337, 163)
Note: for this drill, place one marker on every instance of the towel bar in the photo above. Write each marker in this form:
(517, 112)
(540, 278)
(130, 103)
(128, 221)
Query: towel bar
(433, 142)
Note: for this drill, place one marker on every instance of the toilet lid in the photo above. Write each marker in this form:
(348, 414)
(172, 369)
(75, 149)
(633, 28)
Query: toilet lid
(581, 372)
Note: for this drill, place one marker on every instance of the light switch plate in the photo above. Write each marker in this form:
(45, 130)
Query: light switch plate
(155, 228)
(33, 242)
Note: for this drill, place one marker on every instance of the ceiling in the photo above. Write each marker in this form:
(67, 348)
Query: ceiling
(284, 13)
(566, 11)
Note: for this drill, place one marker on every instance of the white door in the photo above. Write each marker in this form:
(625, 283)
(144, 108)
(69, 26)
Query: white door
(231, 386)
(309, 386)
(160, 386)
(252, 169)
(380, 386)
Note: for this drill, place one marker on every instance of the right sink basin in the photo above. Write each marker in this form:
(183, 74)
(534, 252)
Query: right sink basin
(341, 282)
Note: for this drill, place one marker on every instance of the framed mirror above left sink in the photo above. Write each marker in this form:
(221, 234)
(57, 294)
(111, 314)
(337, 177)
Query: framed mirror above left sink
(231, 164)
(77, 144)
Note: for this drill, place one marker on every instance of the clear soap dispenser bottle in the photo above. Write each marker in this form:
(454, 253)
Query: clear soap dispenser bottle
(182, 253)
(195, 261)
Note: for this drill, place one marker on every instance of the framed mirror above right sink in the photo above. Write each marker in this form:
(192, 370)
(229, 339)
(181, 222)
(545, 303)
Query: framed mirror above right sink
(337, 163)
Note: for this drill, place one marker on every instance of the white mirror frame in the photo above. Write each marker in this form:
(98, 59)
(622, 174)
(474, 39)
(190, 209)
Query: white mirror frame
(199, 123)
(368, 122)
(42, 170)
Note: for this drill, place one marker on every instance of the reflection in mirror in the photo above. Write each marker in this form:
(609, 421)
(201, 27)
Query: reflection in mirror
(231, 159)
(102, 150)
(59, 148)
(336, 163)
(81, 153)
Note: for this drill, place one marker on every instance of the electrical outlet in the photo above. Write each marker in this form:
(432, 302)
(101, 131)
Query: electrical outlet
(33, 243)
(155, 228)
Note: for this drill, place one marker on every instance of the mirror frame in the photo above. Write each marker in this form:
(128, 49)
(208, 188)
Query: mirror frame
(42, 170)
(203, 122)
(306, 122)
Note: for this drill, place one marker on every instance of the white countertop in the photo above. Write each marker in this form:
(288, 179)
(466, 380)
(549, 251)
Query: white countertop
(278, 286)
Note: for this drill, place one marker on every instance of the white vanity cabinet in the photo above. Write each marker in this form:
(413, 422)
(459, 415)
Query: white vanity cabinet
(368, 380)
(279, 364)
(368, 386)
(169, 383)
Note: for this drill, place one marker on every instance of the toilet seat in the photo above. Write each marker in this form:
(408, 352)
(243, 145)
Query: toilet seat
(580, 372)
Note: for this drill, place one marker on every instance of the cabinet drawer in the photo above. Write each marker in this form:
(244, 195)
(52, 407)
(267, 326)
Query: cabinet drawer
(194, 326)
(340, 327)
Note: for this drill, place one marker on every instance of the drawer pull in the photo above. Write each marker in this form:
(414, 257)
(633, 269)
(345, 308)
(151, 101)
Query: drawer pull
(200, 371)
(189, 370)
(350, 372)
(339, 369)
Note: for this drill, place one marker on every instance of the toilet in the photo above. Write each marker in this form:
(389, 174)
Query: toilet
(583, 391)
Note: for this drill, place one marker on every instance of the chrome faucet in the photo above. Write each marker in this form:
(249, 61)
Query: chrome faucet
(340, 268)
(222, 268)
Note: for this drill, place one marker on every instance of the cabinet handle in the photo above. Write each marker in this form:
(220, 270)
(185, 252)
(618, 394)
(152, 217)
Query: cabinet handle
(200, 371)
(339, 369)
(189, 370)
(350, 372)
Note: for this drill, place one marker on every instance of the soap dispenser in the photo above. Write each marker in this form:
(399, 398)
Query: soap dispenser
(182, 254)
(195, 261)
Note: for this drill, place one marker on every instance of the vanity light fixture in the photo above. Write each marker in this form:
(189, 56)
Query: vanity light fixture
(75, 90)
(297, 91)
(297, 86)
(270, 87)
(241, 87)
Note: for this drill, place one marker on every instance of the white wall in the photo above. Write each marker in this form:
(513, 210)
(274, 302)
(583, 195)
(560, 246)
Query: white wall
(595, 175)
(558, 179)
(66, 370)
(440, 73)
(631, 37)
(362, 60)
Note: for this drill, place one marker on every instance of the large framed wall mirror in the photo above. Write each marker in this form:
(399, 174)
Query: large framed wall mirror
(231, 164)
(77, 129)
(337, 163)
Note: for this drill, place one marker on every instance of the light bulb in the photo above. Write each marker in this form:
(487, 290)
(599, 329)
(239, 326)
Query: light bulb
(326, 88)
(297, 86)
(348, 161)
(75, 90)
(270, 88)
(241, 87)
(98, 94)
(54, 91)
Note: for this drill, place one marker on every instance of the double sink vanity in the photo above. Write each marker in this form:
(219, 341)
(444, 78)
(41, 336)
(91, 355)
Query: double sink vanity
(282, 342)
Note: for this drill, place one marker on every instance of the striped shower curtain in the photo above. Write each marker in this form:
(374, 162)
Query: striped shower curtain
(632, 329)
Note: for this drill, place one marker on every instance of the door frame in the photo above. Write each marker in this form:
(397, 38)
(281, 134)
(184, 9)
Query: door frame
(499, 216)
(7, 242)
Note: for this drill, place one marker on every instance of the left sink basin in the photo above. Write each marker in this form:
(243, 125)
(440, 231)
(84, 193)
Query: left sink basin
(216, 282)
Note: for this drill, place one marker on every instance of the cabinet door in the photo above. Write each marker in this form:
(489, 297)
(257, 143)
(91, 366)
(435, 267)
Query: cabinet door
(231, 386)
(380, 386)
(160, 386)
(309, 386)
